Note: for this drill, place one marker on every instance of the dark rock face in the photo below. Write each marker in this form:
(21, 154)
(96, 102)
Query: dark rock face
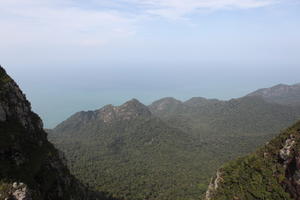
(30, 167)
(15, 106)
(292, 184)
(290, 158)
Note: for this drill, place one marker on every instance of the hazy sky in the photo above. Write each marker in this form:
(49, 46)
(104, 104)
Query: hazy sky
(72, 55)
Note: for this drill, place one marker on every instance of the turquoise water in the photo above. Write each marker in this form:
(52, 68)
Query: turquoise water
(58, 92)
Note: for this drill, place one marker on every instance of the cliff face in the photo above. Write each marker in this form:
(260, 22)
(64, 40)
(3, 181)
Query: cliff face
(30, 167)
(273, 172)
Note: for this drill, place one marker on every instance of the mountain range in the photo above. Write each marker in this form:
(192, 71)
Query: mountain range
(128, 152)
(167, 150)
(170, 149)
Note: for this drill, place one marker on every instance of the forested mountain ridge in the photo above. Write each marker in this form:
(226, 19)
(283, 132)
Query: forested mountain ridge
(166, 106)
(132, 155)
(242, 116)
(30, 167)
(281, 94)
(168, 150)
(109, 114)
(272, 172)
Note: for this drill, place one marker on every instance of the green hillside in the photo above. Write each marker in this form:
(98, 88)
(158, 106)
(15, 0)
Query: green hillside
(138, 158)
(250, 115)
(170, 152)
(281, 94)
(272, 172)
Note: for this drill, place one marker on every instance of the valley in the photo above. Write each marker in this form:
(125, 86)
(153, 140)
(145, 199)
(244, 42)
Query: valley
(169, 149)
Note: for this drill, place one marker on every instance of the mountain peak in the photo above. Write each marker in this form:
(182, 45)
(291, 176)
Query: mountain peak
(169, 100)
(167, 103)
(281, 94)
(200, 101)
(127, 111)
(107, 114)
(133, 102)
(131, 109)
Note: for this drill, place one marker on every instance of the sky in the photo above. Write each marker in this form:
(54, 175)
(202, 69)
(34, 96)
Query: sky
(73, 55)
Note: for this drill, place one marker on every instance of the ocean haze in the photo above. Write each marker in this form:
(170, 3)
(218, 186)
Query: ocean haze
(57, 92)
(149, 99)
(72, 55)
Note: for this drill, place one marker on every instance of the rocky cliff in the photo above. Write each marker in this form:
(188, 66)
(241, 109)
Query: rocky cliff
(30, 167)
(273, 172)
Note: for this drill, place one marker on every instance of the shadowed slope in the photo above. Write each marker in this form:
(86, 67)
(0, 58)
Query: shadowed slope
(30, 167)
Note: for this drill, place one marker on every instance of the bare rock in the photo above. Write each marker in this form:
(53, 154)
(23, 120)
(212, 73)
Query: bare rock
(285, 152)
(213, 186)
(22, 194)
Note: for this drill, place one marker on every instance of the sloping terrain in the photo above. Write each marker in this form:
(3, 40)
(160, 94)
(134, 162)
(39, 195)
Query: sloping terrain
(127, 152)
(168, 150)
(272, 172)
(243, 116)
(281, 94)
(30, 166)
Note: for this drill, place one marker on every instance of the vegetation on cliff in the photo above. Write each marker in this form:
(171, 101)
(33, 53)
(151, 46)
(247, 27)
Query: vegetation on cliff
(30, 166)
(170, 152)
(272, 172)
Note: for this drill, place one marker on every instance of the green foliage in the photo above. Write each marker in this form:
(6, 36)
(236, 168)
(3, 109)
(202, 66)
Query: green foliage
(244, 116)
(5, 188)
(150, 159)
(171, 158)
(259, 175)
(140, 159)
(281, 94)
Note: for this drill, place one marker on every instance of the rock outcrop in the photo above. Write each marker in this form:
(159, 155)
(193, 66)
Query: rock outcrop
(30, 167)
(213, 186)
(129, 110)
